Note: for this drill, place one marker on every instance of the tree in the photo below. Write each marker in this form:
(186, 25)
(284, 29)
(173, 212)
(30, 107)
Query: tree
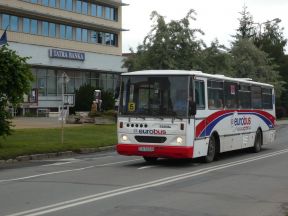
(15, 81)
(246, 27)
(172, 45)
(251, 62)
(216, 60)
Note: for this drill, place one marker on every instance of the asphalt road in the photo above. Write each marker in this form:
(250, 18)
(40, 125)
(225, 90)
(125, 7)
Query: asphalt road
(240, 183)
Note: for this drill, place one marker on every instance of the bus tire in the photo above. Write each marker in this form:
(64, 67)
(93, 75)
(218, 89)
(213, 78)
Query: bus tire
(150, 159)
(211, 151)
(258, 142)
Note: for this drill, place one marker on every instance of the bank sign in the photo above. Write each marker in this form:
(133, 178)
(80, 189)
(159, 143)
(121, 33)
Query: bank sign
(63, 54)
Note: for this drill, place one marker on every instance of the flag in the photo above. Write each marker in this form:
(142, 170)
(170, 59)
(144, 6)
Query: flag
(3, 39)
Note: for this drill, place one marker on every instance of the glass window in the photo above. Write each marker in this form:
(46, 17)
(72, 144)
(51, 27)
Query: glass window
(62, 4)
(107, 39)
(107, 13)
(244, 97)
(93, 36)
(154, 96)
(62, 31)
(45, 28)
(26, 25)
(69, 35)
(5, 21)
(51, 82)
(78, 6)
(215, 94)
(69, 5)
(84, 35)
(52, 3)
(45, 2)
(52, 29)
(114, 39)
(267, 98)
(78, 34)
(256, 97)
(34, 26)
(14, 23)
(93, 10)
(200, 94)
(84, 7)
(231, 92)
(113, 14)
(99, 11)
(34, 1)
(99, 37)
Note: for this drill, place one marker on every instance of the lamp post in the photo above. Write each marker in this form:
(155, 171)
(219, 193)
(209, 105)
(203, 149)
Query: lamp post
(276, 20)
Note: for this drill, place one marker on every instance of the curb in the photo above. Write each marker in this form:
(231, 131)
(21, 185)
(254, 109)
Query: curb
(25, 158)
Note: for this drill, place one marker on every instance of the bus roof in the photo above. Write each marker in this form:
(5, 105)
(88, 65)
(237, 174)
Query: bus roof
(195, 73)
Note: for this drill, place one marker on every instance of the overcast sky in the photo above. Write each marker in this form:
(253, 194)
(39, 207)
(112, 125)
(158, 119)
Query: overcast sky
(217, 18)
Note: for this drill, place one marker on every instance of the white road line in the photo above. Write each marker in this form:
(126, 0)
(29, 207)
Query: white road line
(65, 171)
(104, 195)
(145, 167)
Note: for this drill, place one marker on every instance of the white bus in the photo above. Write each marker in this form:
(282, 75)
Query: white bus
(190, 114)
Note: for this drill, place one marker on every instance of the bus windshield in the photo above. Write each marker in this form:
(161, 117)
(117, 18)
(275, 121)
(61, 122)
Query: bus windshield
(154, 96)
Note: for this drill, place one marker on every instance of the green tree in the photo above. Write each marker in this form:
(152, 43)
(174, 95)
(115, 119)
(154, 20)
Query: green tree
(15, 81)
(171, 45)
(246, 27)
(216, 59)
(251, 62)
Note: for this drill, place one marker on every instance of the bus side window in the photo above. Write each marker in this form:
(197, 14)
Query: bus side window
(256, 96)
(215, 94)
(199, 94)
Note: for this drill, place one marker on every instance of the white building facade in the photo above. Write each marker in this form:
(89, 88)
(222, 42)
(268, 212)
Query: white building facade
(79, 38)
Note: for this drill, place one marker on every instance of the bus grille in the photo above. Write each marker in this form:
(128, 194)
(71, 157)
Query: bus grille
(150, 139)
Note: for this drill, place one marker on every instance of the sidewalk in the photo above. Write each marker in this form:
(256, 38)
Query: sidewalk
(281, 122)
(39, 122)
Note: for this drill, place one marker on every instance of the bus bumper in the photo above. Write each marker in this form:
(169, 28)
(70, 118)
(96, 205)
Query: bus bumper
(155, 151)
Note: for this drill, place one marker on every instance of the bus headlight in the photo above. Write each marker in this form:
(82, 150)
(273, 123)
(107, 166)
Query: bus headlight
(179, 140)
(124, 138)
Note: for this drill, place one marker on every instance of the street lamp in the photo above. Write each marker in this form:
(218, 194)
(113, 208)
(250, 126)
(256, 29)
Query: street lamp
(276, 20)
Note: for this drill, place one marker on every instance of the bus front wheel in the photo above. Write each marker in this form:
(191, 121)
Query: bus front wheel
(211, 152)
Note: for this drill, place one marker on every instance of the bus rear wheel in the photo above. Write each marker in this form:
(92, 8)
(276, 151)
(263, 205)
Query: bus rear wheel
(258, 142)
(211, 152)
(150, 159)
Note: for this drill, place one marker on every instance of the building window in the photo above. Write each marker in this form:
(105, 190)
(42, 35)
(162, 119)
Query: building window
(99, 11)
(34, 26)
(79, 6)
(69, 34)
(100, 37)
(52, 3)
(26, 25)
(45, 28)
(84, 35)
(78, 34)
(93, 36)
(107, 13)
(93, 10)
(62, 4)
(69, 5)
(52, 30)
(34, 1)
(84, 7)
(14, 23)
(5, 21)
(62, 31)
(45, 2)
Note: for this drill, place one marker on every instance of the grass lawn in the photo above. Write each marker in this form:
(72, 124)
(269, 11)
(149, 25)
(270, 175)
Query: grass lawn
(36, 141)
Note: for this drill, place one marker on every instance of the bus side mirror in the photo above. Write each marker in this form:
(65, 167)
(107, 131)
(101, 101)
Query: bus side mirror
(192, 108)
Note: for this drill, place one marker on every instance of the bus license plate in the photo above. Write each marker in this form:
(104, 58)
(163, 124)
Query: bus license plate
(146, 149)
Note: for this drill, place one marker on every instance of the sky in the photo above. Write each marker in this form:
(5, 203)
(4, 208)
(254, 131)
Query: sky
(217, 18)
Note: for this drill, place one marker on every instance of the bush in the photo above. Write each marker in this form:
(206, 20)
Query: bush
(280, 112)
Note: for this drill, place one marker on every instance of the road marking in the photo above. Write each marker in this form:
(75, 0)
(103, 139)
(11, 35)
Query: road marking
(64, 171)
(145, 167)
(104, 195)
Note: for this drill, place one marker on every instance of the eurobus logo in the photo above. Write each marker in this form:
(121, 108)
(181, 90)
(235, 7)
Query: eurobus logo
(152, 132)
(241, 121)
